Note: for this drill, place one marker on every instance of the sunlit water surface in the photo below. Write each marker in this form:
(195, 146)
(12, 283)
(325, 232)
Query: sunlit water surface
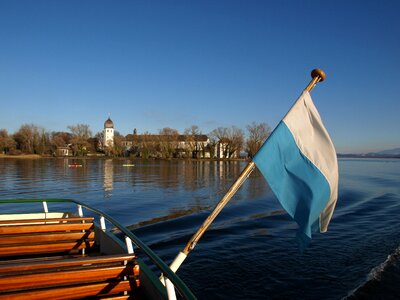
(250, 251)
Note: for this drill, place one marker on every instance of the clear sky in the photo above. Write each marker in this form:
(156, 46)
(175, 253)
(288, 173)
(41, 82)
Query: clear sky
(155, 64)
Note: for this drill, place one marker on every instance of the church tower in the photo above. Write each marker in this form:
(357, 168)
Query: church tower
(108, 133)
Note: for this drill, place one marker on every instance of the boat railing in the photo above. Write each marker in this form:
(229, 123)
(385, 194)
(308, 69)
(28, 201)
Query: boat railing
(130, 238)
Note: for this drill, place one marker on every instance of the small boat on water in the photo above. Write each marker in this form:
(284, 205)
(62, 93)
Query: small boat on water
(128, 165)
(71, 255)
(75, 165)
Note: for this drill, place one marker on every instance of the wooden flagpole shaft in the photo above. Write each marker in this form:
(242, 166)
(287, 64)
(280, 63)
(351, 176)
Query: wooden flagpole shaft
(317, 76)
(221, 204)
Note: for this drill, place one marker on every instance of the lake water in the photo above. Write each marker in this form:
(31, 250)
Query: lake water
(250, 252)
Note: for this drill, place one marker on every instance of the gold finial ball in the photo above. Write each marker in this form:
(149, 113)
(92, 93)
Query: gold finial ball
(318, 73)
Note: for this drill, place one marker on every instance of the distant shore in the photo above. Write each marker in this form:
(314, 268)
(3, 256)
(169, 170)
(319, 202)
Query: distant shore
(37, 156)
(367, 156)
(21, 156)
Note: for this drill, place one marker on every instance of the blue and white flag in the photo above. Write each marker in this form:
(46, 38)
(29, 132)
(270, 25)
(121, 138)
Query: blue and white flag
(299, 162)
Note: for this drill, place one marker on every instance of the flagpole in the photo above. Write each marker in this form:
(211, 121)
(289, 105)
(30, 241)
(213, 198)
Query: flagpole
(317, 76)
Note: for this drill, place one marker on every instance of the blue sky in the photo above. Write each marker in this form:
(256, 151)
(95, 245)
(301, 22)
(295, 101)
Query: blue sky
(155, 64)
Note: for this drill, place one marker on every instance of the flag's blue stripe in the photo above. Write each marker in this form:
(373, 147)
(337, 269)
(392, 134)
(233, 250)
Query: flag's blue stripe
(298, 184)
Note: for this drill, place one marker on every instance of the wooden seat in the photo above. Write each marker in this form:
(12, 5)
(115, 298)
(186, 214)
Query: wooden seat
(73, 292)
(72, 278)
(36, 236)
(26, 265)
(38, 260)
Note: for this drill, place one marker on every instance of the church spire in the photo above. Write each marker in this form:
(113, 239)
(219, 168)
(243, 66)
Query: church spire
(108, 132)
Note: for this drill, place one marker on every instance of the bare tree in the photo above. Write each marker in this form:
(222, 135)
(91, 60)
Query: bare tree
(42, 144)
(24, 138)
(117, 149)
(99, 137)
(258, 133)
(7, 143)
(219, 133)
(168, 142)
(80, 135)
(218, 137)
(31, 138)
(192, 130)
(60, 139)
(236, 137)
(148, 146)
(80, 130)
(192, 143)
(231, 140)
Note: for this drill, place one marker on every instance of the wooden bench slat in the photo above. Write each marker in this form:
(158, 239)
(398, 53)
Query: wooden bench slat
(35, 259)
(44, 248)
(124, 297)
(62, 262)
(8, 283)
(21, 229)
(48, 237)
(47, 220)
(74, 292)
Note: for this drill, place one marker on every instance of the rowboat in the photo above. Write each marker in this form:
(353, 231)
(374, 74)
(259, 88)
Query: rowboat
(75, 165)
(73, 255)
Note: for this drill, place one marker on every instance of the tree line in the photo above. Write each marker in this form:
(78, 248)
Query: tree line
(34, 139)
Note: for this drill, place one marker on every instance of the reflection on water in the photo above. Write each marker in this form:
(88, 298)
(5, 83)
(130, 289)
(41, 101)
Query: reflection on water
(108, 178)
(158, 189)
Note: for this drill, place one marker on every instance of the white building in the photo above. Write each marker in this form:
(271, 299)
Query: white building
(108, 133)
